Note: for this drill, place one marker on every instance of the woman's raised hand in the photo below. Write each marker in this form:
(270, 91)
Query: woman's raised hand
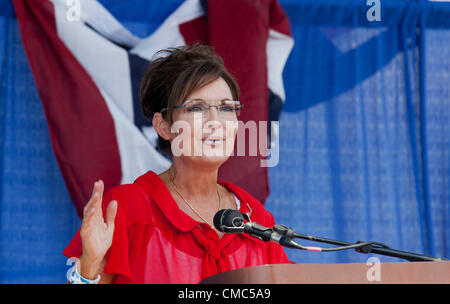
(96, 232)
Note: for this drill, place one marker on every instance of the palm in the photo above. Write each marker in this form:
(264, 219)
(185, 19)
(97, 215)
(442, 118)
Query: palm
(97, 232)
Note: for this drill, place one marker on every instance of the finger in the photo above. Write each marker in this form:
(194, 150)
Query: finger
(101, 188)
(95, 188)
(111, 212)
(91, 201)
(97, 200)
(94, 213)
(88, 222)
(88, 206)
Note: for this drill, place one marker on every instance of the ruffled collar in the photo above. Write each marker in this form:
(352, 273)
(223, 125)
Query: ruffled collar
(158, 190)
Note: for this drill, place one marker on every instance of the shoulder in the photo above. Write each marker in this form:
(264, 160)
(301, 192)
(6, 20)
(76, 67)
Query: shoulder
(133, 199)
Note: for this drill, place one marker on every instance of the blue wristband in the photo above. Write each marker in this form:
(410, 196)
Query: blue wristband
(76, 278)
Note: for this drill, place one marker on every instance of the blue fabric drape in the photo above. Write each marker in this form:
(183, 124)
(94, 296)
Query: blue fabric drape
(365, 128)
(37, 217)
(364, 135)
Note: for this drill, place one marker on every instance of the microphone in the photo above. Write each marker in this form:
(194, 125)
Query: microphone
(229, 220)
(233, 221)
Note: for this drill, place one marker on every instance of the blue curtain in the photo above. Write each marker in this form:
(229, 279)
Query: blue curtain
(37, 216)
(364, 135)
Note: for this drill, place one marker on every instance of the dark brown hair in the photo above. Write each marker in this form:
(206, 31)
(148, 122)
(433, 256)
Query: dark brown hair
(170, 79)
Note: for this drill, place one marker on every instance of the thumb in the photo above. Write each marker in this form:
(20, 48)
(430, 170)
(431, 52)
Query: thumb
(111, 212)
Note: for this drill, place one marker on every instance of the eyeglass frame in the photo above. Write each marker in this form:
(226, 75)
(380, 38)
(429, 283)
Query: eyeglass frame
(183, 105)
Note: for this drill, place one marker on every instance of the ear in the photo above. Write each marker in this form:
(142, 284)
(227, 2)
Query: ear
(161, 126)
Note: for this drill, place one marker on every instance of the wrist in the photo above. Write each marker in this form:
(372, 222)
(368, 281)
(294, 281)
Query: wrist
(88, 268)
(77, 278)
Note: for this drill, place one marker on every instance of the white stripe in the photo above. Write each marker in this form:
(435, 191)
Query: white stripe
(108, 66)
(137, 156)
(93, 13)
(106, 24)
(278, 48)
(168, 34)
(104, 61)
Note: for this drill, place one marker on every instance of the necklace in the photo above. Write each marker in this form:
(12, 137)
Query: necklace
(189, 205)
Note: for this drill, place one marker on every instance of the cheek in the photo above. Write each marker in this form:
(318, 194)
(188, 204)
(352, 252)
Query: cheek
(230, 135)
(231, 130)
(182, 129)
(192, 132)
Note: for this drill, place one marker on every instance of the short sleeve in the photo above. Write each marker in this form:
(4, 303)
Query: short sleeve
(73, 250)
(117, 256)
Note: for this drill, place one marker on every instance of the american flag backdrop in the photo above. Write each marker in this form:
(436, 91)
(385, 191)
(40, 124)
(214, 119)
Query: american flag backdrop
(87, 67)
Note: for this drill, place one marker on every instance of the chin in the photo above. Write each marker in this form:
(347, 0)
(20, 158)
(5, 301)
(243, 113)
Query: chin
(208, 160)
(209, 154)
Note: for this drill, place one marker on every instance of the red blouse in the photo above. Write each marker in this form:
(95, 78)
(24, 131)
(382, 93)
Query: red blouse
(155, 242)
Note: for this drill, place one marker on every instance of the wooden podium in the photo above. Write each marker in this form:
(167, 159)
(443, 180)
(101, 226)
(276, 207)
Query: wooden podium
(354, 273)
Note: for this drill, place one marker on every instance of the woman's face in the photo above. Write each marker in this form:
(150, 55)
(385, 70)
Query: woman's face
(201, 135)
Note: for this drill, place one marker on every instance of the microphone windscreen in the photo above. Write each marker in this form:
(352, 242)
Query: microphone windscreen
(228, 218)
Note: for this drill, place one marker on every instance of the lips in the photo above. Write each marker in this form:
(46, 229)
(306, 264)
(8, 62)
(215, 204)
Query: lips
(212, 140)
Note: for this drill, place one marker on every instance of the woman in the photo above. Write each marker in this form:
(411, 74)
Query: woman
(159, 229)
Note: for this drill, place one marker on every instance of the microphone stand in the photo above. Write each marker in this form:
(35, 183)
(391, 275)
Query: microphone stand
(288, 234)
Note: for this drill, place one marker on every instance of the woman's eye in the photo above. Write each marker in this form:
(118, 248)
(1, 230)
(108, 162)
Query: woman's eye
(226, 108)
(195, 108)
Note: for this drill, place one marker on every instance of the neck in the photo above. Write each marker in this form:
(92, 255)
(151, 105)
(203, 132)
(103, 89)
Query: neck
(193, 179)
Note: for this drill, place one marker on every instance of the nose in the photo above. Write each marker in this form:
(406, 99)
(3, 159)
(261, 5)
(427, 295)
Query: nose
(212, 120)
(213, 114)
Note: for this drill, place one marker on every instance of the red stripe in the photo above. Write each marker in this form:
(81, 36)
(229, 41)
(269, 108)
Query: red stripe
(195, 31)
(243, 49)
(278, 19)
(81, 128)
(238, 30)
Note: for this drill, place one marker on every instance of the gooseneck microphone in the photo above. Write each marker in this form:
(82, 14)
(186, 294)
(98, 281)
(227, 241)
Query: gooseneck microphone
(229, 220)
(233, 221)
